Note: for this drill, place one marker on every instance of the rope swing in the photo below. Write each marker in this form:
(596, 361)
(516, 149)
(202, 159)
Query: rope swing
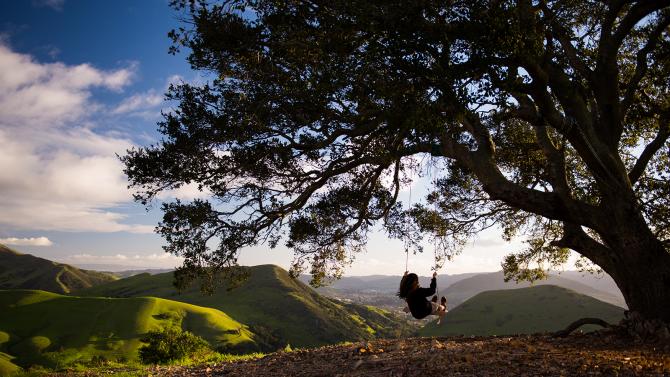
(407, 240)
(407, 230)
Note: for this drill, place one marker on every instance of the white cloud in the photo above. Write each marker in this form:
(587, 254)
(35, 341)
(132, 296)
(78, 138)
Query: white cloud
(48, 95)
(138, 103)
(32, 241)
(57, 172)
(175, 79)
(147, 105)
(186, 192)
(163, 260)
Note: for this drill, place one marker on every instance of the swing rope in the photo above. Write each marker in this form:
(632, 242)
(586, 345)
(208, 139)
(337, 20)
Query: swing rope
(407, 242)
(437, 265)
(406, 260)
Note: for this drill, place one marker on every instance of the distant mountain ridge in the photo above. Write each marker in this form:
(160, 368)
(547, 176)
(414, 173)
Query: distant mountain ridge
(25, 271)
(381, 283)
(466, 288)
(379, 290)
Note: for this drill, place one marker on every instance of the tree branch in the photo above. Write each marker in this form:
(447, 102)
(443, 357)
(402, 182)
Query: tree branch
(576, 239)
(498, 187)
(641, 66)
(649, 152)
(562, 35)
(639, 11)
(556, 161)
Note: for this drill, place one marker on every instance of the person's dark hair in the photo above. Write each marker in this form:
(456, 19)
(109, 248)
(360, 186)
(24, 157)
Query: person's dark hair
(407, 284)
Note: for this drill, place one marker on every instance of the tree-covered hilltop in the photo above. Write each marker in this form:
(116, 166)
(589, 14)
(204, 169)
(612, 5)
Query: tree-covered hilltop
(548, 119)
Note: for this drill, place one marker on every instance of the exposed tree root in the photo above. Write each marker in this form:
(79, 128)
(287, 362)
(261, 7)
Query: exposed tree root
(579, 323)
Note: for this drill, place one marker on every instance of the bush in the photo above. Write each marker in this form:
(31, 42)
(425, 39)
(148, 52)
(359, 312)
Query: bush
(170, 344)
(267, 339)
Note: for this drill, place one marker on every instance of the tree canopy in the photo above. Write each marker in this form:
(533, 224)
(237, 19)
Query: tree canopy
(549, 119)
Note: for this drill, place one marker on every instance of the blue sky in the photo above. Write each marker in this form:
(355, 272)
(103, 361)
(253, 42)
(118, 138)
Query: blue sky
(81, 81)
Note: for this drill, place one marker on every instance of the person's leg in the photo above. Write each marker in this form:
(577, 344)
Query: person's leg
(436, 308)
(440, 316)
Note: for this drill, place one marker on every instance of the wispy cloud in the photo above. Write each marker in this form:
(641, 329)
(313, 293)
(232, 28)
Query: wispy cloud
(43, 94)
(162, 260)
(53, 4)
(148, 104)
(139, 103)
(32, 241)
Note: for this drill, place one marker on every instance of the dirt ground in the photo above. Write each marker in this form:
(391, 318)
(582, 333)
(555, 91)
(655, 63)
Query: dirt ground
(599, 354)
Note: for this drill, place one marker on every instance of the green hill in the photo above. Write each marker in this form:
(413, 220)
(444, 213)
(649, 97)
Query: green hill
(52, 330)
(25, 271)
(521, 311)
(274, 305)
(467, 288)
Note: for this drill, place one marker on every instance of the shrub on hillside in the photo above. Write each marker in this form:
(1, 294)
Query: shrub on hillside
(266, 338)
(170, 344)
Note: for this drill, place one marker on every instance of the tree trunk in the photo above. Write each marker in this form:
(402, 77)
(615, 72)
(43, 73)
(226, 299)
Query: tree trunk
(640, 266)
(645, 282)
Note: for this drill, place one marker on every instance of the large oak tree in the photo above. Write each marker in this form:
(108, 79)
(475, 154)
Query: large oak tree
(549, 119)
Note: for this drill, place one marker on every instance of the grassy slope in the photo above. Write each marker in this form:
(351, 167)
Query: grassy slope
(385, 324)
(24, 271)
(467, 288)
(270, 300)
(521, 311)
(45, 328)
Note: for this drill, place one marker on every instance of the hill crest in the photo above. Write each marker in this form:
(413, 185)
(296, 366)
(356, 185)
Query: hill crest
(469, 287)
(527, 310)
(272, 303)
(26, 271)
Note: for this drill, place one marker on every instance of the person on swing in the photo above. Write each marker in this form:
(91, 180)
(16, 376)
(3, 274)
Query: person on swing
(415, 297)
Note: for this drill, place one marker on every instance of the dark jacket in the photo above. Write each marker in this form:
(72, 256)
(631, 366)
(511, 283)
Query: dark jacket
(416, 300)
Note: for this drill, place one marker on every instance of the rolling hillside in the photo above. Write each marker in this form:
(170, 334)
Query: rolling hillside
(25, 271)
(274, 305)
(521, 311)
(38, 327)
(466, 288)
